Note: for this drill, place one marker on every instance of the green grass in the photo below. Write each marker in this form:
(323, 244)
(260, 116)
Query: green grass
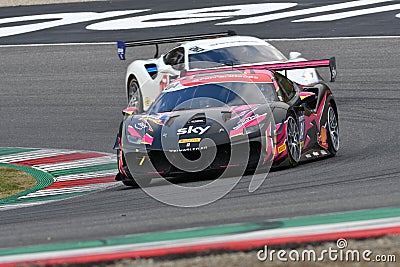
(13, 181)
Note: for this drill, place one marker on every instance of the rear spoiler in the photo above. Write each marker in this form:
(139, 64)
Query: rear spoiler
(123, 45)
(331, 63)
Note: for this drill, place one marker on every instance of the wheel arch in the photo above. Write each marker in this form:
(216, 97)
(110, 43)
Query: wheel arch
(279, 111)
(129, 79)
(334, 106)
(136, 70)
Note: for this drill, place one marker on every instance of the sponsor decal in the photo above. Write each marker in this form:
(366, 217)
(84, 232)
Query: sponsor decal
(172, 85)
(189, 140)
(281, 148)
(246, 120)
(227, 78)
(195, 49)
(323, 137)
(152, 119)
(191, 129)
(142, 160)
(140, 125)
(189, 149)
(246, 123)
(197, 121)
(147, 101)
(323, 134)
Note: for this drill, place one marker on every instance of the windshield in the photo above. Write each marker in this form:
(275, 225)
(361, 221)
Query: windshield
(236, 55)
(215, 95)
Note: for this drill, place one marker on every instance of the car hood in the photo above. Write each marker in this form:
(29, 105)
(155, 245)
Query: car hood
(166, 130)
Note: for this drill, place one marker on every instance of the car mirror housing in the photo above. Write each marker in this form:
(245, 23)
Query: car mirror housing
(167, 69)
(129, 111)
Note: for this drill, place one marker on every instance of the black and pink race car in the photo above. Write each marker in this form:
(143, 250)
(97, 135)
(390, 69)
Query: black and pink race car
(201, 120)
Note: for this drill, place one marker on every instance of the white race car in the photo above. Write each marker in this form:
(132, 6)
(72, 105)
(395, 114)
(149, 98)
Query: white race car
(146, 78)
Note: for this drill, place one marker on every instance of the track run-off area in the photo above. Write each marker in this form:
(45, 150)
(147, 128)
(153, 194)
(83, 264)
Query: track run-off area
(68, 97)
(59, 173)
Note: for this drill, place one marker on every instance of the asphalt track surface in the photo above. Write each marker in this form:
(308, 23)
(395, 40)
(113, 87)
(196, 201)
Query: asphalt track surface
(71, 97)
(371, 24)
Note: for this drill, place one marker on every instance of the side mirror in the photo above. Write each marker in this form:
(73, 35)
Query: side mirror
(294, 55)
(129, 111)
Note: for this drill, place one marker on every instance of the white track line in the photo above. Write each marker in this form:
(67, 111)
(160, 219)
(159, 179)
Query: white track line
(349, 14)
(76, 164)
(43, 153)
(88, 175)
(308, 11)
(69, 190)
(21, 205)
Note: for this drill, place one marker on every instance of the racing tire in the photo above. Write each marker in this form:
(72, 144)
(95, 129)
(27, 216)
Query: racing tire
(143, 183)
(333, 130)
(135, 95)
(293, 141)
(130, 183)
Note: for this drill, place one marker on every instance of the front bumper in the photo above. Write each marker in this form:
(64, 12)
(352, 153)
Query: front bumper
(158, 163)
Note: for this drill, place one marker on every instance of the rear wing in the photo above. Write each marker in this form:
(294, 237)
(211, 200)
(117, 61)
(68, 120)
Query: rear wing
(331, 63)
(123, 45)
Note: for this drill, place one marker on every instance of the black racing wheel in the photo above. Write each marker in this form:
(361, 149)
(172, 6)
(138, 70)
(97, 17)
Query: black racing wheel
(293, 141)
(135, 95)
(333, 130)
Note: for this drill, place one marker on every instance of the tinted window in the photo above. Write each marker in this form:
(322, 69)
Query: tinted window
(215, 95)
(235, 55)
(287, 88)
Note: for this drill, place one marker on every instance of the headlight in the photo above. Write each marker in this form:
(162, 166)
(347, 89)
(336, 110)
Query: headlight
(134, 139)
(133, 136)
